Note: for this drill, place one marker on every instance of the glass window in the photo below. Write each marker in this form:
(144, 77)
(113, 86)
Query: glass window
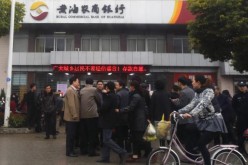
(19, 79)
(152, 45)
(131, 44)
(177, 45)
(160, 46)
(49, 44)
(141, 45)
(85, 44)
(186, 48)
(105, 44)
(39, 45)
(69, 44)
(115, 44)
(60, 44)
(94, 44)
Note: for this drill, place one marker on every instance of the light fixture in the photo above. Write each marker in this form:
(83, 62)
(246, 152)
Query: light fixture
(88, 73)
(109, 74)
(59, 32)
(148, 74)
(131, 74)
(67, 74)
(50, 74)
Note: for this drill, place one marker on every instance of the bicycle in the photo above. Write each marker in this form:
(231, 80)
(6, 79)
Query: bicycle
(220, 154)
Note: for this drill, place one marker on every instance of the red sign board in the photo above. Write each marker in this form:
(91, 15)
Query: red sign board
(101, 68)
(212, 76)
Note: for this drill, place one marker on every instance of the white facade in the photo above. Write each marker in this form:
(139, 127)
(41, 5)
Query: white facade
(4, 47)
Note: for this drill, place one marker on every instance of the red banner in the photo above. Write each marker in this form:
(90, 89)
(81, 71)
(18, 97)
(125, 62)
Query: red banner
(101, 68)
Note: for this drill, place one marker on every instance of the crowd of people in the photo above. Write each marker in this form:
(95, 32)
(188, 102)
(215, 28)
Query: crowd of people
(112, 117)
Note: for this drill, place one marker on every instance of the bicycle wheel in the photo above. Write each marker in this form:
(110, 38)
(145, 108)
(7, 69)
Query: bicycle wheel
(229, 157)
(156, 157)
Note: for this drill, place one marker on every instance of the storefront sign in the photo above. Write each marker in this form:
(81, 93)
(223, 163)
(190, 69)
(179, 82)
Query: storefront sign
(211, 76)
(110, 12)
(101, 68)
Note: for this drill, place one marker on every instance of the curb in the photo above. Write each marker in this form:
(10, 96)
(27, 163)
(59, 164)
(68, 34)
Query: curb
(4, 130)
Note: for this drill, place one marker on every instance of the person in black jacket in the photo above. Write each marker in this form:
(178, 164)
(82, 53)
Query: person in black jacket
(240, 105)
(137, 116)
(48, 101)
(30, 99)
(228, 115)
(160, 104)
(107, 121)
(121, 133)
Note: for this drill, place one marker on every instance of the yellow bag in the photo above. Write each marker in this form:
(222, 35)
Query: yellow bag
(163, 128)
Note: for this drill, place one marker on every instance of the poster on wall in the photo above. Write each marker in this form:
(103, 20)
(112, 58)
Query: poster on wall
(62, 88)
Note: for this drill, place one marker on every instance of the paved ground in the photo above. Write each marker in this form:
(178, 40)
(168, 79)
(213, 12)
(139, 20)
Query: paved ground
(33, 149)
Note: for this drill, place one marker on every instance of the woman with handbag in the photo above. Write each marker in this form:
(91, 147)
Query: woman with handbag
(203, 113)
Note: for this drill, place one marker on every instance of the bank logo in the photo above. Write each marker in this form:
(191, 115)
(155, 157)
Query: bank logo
(39, 10)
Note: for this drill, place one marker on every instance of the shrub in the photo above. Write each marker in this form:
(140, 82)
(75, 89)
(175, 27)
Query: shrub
(1, 118)
(17, 120)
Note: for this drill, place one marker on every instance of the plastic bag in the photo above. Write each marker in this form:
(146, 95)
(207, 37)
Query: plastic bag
(163, 128)
(150, 133)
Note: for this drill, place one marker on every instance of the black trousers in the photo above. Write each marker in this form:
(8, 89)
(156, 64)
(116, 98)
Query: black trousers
(139, 143)
(50, 123)
(242, 125)
(89, 135)
(121, 136)
(31, 117)
(71, 128)
(205, 138)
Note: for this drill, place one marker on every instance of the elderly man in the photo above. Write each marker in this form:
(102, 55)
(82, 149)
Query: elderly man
(71, 114)
(90, 101)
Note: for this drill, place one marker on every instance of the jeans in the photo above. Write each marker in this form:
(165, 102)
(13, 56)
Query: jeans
(108, 144)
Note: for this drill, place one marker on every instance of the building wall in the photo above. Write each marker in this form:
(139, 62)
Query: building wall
(226, 83)
(4, 47)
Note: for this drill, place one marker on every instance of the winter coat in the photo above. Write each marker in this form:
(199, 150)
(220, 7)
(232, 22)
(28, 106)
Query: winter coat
(71, 105)
(137, 112)
(240, 103)
(201, 104)
(123, 100)
(160, 104)
(48, 102)
(30, 99)
(90, 101)
(107, 114)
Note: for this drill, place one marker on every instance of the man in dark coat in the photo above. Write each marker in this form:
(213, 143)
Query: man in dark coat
(48, 107)
(240, 105)
(121, 133)
(137, 117)
(107, 120)
(30, 99)
(228, 115)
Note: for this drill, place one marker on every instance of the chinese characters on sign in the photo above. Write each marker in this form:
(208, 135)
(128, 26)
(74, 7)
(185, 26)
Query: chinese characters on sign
(101, 68)
(91, 11)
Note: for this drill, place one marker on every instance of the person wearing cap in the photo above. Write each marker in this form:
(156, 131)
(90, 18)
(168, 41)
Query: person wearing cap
(240, 105)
